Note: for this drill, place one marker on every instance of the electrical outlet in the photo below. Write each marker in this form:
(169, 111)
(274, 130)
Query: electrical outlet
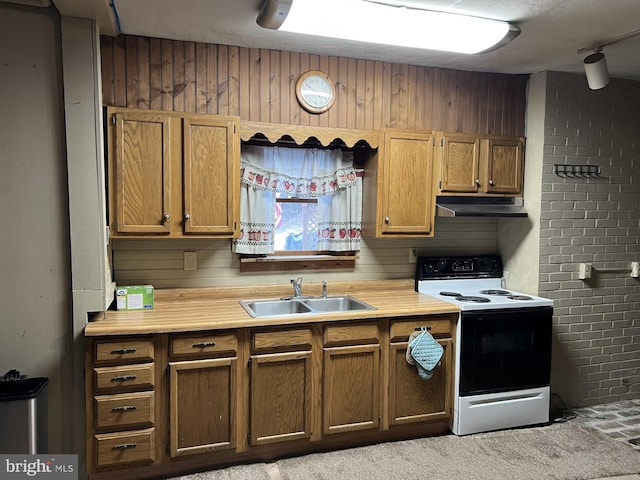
(413, 255)
(586, 269)
(635, 269)
(190, 261)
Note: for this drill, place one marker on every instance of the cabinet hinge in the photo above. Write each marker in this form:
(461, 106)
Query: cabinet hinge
(442, 142)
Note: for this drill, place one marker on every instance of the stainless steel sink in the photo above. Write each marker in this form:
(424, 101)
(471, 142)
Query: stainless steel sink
(337, 304)
(303, 306)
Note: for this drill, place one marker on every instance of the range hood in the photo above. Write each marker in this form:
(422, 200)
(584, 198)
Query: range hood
(480, 207)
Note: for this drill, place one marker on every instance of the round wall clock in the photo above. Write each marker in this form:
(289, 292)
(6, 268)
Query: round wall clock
(315, 91)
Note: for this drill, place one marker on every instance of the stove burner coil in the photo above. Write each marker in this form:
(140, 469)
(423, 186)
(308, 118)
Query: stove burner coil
(519, 297)
(471, 298)
(450, 294)
(495, 292)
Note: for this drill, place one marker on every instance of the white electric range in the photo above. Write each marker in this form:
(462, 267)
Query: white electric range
(503, 343)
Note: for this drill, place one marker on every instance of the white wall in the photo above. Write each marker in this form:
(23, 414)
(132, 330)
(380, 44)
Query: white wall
(35, 278)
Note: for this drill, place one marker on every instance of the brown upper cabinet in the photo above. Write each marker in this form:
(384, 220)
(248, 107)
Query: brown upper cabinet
(173, 174)
(480, 165)
(399, 185)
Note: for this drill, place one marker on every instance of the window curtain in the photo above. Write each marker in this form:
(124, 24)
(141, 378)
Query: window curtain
(328, 175)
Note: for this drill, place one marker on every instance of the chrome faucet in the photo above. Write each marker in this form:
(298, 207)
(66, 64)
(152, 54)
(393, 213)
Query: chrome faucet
(297, 286)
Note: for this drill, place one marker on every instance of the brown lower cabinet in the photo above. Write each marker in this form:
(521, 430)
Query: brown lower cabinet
(167, 404)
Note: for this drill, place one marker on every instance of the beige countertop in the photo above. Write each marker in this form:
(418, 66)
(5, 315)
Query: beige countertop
(197, 309)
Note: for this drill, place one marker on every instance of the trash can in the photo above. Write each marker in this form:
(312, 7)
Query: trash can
(23, 414)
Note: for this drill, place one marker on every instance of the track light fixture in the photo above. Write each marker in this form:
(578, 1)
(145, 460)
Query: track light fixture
(595, 67)
(375, 21)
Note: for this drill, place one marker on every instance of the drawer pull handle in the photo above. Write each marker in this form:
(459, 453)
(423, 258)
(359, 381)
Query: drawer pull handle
(120, 351)
(204, 344)
(124, 408)
(420, 328)
(124, 446)
(123, 378)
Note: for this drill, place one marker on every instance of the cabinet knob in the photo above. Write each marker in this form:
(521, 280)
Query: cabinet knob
(386, 219)
(491, 182)
(166, 217)
(187, 216)
(477, 181)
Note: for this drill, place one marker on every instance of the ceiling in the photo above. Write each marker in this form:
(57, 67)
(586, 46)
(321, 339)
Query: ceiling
(552, 31)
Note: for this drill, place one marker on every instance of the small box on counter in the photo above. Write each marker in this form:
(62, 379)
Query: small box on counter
(134, 297)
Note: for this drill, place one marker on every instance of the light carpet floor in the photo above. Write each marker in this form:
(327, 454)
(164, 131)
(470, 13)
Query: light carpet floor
(565, 451)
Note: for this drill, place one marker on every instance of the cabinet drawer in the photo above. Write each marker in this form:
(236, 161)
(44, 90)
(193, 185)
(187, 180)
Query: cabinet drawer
(351, 334)
(125, 378)
(199, 346)
(124, 410)
(297, 338)
(125, 447)
(124, 351)
(438, 326)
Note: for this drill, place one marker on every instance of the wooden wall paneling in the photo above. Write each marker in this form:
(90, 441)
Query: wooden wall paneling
(351, 89)
(223, 80)
(258, 85)
(378, 96)
(342, 92)
(412, 97)
(143, 99)
(201, 77)
(189, 77)
(287, 93)
(494, 97)
(119, 73)
(464, 95)
(436, 95)
(263, 85)
(131, 73)
(254, 83)
(212, 79)
(166, 93)
(178, 76)
(274, 87)
(478, 113)
(369, 89)
(359, 94)
(155, 74)
(106, 60)
(450, 96)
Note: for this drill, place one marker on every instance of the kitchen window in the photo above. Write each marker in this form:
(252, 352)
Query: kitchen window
(299, 206)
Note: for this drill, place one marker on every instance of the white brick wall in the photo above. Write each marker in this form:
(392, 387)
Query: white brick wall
(596, 356)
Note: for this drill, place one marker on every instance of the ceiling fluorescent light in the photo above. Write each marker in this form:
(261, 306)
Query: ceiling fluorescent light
(373, 22)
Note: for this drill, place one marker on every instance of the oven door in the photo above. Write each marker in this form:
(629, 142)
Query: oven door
(505, 350)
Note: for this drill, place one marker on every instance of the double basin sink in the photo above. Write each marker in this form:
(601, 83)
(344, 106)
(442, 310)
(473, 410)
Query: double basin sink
(303, 306)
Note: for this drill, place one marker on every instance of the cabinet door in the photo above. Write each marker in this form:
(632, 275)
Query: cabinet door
(504, 166)
(211, 175)
(412, 399)
(460, 163)
(202, 406)
(407, 177)
(280, 397)
(351, 388)
(142, 173)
